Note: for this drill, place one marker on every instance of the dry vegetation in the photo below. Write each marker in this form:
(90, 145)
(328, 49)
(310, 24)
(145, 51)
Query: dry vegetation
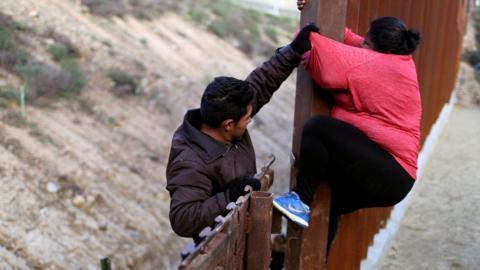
(253, 32)
(62, 77)
(89, 99)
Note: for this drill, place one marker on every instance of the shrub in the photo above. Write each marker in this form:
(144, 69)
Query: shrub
(253, 15)
(472, 57)
(20, 26)
(197, 15)
(28, 72)
(106, 8)
(62, 44)
(58, 52)
(6, 43)
(124, 81)
(223, 8)
(254, 31)
(45, 80)
(7, 97)
(148, 9)
(9, 54)
(221, 27)
(8, 59)
(39, 78)
(72, 78)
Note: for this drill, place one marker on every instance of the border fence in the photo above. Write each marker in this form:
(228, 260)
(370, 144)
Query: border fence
(242, 238)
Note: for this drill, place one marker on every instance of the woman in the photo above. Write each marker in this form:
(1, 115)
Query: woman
(368, 147)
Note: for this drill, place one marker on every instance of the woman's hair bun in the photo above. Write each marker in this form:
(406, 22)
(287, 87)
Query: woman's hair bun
(413, 36)
(391, 35)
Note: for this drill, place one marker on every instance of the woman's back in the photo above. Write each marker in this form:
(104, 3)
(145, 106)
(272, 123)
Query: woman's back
(383, 89)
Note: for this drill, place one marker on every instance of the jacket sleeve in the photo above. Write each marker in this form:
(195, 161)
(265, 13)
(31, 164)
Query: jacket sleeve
(268, 77)
(352, 39)
(193, 205)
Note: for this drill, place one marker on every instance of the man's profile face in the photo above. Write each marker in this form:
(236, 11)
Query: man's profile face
(240, 126)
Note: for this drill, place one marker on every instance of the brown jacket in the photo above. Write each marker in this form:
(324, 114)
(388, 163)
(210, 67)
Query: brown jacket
(200, 168)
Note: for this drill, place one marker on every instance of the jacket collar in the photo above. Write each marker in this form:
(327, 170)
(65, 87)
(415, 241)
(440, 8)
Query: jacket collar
(210, 148)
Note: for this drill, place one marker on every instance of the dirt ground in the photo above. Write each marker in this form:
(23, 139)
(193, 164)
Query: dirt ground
(85, 179)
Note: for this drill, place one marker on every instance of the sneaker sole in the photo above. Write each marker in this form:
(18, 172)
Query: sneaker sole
(299, 221)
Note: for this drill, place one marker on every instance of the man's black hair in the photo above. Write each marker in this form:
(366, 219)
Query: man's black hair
(225, 98)
(391, 35)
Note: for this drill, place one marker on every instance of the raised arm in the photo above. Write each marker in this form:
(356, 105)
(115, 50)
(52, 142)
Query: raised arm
(352, 39)
(267, 78)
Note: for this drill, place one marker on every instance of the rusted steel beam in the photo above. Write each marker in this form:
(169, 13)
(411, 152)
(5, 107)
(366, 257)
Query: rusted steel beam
(306, 249)
(276, 221)
(259, 230)
(240, 239)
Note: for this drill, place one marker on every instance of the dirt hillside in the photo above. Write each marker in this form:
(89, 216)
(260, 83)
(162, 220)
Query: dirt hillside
(83, 178)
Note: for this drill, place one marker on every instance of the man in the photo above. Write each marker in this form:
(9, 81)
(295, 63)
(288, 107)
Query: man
(212, 158)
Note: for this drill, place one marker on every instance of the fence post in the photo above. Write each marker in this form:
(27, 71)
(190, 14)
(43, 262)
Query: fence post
(259, 230)
(306, 249)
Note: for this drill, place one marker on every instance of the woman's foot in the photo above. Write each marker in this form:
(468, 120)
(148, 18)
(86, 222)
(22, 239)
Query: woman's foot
(293, 208)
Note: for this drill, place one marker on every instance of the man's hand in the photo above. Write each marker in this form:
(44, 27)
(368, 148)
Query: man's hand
(301, 4)
(239, 189)
(301, 44)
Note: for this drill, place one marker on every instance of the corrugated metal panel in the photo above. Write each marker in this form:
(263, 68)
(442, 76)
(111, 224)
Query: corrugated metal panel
(442, 24)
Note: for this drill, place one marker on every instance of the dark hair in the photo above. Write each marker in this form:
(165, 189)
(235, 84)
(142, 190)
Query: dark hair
(391, 35)
(225, 98)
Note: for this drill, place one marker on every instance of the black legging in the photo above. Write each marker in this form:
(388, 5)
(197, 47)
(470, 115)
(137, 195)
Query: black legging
(361, 173)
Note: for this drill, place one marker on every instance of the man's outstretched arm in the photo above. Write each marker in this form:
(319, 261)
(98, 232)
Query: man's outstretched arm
(267, 78)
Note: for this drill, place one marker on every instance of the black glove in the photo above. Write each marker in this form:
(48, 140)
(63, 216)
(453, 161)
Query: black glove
(239, 189)
(301, 44)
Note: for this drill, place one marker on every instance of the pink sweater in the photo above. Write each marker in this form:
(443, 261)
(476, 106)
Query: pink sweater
(383, 97)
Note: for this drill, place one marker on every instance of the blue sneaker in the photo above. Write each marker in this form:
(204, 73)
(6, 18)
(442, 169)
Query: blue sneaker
(293, 208)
